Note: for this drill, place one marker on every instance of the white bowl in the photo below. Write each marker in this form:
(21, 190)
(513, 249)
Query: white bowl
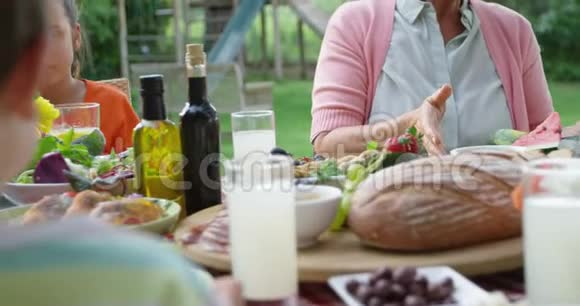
(31, 193)
(334, 181)
(489, 149)
(316, 208)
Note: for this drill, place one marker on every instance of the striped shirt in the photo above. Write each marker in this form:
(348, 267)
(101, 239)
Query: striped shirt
(82, 263)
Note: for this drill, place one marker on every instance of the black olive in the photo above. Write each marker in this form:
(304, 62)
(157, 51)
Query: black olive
(363, 293)
(449, 301)
(404, 276)
(413, 300)
(375, 301)
(279, 151)
(352, 286)
(382, 288)
(417, 289)
(448, 282)
(397, 292)
(385, 273)
(374, 279)
(439, 293)
(318, 157)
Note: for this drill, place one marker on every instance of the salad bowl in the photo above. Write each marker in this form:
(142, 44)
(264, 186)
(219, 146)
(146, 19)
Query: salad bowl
(30, 193)
(161, 226)
(22, 194)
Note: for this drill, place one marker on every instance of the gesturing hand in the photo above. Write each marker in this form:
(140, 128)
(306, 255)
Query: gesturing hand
(428, 120)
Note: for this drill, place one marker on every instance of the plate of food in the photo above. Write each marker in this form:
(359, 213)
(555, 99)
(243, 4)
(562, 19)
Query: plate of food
(408, 286)
(545, 136)
(337, 172)
(135, 212)
(489, 149)
(58, 161)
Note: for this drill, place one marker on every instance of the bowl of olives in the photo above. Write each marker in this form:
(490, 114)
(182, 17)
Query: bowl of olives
(407, 286)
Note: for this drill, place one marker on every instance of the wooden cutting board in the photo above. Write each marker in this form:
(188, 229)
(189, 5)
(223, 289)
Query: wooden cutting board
(342, 253)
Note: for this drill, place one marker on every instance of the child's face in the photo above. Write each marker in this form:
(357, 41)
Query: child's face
(63, 40)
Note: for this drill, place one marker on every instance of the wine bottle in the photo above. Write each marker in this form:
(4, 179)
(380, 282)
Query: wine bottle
(200, 138)
(158, 159)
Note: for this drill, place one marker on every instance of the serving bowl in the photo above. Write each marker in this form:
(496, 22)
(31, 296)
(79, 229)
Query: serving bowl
(30, 193)
(23, 194)
(333, 181)
(316, 208)
(489, 149)
(161, 226)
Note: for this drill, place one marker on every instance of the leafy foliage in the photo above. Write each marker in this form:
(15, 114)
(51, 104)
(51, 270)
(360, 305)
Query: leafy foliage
(556, 23)
(557, 31)
(100, 23)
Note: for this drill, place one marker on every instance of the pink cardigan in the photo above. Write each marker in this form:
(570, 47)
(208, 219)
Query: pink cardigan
(356, 44)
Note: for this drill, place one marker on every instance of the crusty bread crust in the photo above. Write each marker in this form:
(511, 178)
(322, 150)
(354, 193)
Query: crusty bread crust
(438, 203)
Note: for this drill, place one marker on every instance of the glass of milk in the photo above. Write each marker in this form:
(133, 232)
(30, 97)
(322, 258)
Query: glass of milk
(254, 134)
(261, 206)
(552, 232)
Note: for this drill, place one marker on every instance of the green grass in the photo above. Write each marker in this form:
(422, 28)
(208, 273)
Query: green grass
(292, 104)
(292, 110)
(567, 101)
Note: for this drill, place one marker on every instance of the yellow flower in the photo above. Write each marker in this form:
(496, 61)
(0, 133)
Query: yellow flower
(47, 113)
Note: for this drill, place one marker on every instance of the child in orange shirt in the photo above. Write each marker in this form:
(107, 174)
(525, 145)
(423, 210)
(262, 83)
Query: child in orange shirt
(60, 82)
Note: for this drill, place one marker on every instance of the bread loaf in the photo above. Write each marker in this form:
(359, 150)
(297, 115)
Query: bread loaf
(438, 203)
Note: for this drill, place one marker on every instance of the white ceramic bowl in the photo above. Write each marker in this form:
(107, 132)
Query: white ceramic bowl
(335, 181)
(490, 149)
(31, 193)
(316, 208)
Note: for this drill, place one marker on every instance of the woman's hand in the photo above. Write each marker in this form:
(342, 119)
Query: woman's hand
(428, 120)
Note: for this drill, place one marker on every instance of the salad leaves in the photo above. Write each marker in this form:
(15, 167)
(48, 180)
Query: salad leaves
(327, 170)
(82, 157)
(355, 175)
(76, 153)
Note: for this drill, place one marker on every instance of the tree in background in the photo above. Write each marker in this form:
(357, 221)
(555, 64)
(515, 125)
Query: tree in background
(100, 22)
(556, 23)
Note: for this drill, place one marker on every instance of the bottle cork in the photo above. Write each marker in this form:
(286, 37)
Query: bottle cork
(196, 55)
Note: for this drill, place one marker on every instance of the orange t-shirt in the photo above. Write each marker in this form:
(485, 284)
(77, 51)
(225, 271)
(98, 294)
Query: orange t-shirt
(118, 119)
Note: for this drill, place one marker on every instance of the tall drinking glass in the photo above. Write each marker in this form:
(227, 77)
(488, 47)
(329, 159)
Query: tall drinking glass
(254, 134)
(261, 208)
(83, 118)
(552, 232)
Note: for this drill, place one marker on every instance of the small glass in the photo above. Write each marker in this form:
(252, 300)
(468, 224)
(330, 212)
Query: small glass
(84, 118)
(254, 134)
(552, 231)
(261, 206)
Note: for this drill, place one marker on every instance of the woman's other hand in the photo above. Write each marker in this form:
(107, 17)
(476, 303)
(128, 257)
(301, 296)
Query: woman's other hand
(428, 120)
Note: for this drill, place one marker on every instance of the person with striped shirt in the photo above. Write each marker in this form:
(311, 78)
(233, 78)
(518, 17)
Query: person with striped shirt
(75, 262)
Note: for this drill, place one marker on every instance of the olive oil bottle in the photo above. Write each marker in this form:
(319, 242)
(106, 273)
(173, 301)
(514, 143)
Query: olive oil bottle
(157, 145)
(200, 138)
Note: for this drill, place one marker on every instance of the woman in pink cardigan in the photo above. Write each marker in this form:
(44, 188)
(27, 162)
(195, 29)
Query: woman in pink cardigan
(457, 69)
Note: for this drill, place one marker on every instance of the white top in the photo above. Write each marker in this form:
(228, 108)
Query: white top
(419, 62)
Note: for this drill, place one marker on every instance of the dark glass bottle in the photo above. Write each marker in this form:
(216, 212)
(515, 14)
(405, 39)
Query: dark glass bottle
(200, 138)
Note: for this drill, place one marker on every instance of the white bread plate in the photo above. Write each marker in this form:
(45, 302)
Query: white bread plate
(489, 149)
